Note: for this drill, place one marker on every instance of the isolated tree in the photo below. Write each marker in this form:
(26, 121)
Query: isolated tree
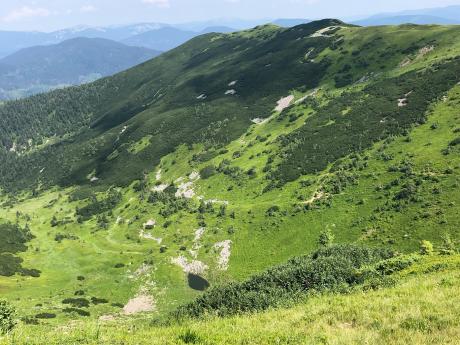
(326, 238)
(7, 317)
(426, 248)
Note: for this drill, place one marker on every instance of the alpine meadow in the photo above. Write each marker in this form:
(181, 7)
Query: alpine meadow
(272, 185)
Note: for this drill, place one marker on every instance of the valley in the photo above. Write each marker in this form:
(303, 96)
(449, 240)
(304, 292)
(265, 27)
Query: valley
(227, 157)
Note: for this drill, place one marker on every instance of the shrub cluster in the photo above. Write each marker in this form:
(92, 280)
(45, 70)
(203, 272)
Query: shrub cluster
(332, 268)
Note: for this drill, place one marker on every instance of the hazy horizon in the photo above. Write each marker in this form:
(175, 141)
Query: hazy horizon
(50, 15)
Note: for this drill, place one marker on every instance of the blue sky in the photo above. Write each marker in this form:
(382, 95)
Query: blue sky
(55, 14)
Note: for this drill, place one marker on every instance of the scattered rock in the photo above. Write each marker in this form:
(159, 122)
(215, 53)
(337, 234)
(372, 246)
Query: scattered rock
(142, 271)
(405, 62)
(259, 121)
(194, 175)
(198, 234)
(233, 83)
(283, 103)
(202, 96)
(150, 224)
(185, 190)
(224, 256)
(160, 188)
(216, 201)
(323, 32)
(194, 266)
(196, 242)
(315, 197)
(230, 92)
(424, 51)
(309, 52)
(148, 236)
(402, 102)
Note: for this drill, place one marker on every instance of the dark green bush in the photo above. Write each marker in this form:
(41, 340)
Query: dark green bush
(208, 171)
(46, 316)
(77, 311)
(96, 300)
(7, 317)
(77, 302)
(328, 269)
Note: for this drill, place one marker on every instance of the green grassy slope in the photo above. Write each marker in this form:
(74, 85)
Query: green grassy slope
(247, 187)
(421, 309)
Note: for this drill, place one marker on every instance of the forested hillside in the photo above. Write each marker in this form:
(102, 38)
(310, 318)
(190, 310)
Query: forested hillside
(72, 62)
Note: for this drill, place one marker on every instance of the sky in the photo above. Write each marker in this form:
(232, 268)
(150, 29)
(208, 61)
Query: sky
(48, 15)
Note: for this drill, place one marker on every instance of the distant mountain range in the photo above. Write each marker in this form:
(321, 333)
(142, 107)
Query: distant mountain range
(72, 62)
(156, 36)
(290, 22)
(444, 16)
(167, 38)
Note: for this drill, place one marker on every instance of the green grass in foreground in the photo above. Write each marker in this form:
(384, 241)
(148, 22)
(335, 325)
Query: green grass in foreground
(422, 308)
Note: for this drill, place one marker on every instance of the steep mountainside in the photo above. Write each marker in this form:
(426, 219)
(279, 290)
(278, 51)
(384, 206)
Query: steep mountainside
(71, 62)
(228, 155)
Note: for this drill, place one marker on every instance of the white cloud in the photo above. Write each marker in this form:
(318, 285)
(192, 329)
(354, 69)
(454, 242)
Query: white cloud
(25, 12)
(159, 3)
(88, 8)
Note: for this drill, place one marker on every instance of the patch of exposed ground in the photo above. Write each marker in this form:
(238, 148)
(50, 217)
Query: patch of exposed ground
(194, 266)
(224, 255)
(259, 121)
(149, 236)
(160, 188)
(420, 54)
(323, 32)
(150, 224)
(283, 103)
(424, 51)
(140, 304)
(317, 196)
(197, 242)
(185, 189)
(402, 102)
(141, 272)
